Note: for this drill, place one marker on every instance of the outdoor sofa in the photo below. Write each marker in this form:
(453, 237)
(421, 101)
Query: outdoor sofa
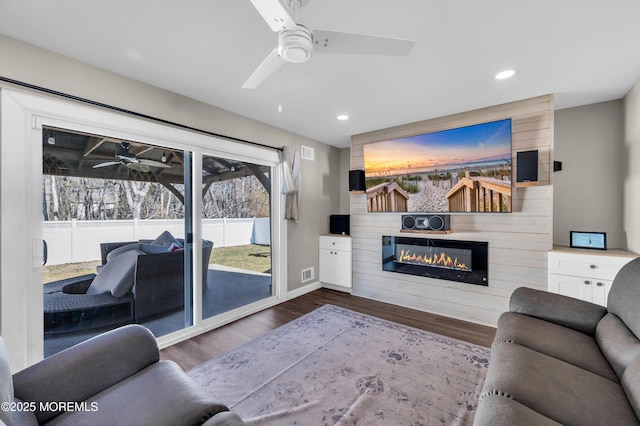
(559, 360)
(137, 280)
(116, 378)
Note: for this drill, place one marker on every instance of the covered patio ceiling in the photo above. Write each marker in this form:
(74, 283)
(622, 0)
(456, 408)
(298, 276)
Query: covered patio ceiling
(67, 153)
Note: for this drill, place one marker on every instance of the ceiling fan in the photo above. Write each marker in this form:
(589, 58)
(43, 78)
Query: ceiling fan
(138, 164)
(296, 43)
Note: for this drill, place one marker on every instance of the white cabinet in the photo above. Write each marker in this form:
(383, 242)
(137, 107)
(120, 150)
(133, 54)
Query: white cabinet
(335, 261)
(584, 274)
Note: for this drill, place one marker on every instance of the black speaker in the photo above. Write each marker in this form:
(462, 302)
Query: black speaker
(339, 224)
(356, 180)
(527, 166)
(426, 222)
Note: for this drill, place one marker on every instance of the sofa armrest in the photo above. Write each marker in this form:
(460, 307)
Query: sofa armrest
(563, 310)
(87, 368)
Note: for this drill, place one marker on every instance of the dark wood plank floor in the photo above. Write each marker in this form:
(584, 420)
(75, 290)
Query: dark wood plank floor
(195, 351)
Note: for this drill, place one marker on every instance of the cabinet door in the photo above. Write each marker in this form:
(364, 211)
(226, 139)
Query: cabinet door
(601, 291)
(326, 266)
(577, 287)
(342, 268)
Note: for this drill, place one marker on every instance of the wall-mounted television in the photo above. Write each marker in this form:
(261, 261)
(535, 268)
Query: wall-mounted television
(466, 169)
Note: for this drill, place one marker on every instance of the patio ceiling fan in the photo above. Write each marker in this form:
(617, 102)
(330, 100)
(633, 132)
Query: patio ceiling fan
(138, 164)
(296, 42)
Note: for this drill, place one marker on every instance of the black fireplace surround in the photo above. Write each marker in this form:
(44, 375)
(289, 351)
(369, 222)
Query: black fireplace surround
(453, 260)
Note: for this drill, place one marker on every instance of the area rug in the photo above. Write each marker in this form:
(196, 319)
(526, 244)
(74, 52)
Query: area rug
(335, 366)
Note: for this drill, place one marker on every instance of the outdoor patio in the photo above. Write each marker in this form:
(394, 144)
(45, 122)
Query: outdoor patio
(228, 288)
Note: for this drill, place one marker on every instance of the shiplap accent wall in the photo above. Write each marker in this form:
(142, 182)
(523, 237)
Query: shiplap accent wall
(518, 241)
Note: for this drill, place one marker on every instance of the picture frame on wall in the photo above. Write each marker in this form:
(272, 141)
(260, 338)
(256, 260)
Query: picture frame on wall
(588, 240)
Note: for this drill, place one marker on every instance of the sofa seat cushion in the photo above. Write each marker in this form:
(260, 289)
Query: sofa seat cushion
(554, 340)
(159, 394)
(500, 410)
(556, 389)
(617, 342)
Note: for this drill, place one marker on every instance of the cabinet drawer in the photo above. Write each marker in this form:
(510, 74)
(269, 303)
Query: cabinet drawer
(592, 266)
(335, 243)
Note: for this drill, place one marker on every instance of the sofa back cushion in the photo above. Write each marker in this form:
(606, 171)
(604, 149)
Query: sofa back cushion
(624, 297)
(6, 383)
(618, 344)
(167, 240)
(117, 276)
(631, 385)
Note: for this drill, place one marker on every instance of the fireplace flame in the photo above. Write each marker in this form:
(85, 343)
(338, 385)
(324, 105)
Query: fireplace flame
(442, 261)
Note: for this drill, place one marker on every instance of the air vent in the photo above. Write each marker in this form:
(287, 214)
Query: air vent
(308, 274)
(308, 153)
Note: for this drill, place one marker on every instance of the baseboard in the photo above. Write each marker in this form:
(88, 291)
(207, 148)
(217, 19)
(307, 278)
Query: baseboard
(303, 290)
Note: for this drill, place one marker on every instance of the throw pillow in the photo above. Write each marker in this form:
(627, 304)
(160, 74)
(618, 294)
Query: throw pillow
(116, 277)
(166, 239)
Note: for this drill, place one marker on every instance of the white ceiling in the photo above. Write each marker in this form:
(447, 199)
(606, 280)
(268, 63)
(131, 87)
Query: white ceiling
(583, 51)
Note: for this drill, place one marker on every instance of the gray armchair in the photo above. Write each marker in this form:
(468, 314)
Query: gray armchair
(114, 378)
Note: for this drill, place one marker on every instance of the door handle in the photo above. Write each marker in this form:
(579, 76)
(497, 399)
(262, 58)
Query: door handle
(45, 252)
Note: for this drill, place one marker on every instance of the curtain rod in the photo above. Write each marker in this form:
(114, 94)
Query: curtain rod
(133, 113)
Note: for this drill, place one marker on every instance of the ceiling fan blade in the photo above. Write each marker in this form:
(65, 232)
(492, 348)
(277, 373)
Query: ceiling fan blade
(153, 163)
(107, 164)
(275, 14)
(271, 64)
(357, 44)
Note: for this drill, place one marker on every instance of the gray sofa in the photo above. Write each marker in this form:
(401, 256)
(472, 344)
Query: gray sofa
(116, 378)
(558, 360)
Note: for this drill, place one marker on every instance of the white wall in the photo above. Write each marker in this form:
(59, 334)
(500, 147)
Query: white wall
(631, 168)
(588, 192)
(518, 241)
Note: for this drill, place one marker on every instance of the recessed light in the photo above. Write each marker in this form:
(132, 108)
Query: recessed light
(505, 74)
(342, 117)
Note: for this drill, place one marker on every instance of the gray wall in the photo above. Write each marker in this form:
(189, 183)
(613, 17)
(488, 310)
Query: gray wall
(588, 192)
(631, 168)
(320, 179)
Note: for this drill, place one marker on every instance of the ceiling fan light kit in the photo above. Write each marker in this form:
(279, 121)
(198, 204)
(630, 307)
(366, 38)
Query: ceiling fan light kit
(295, 41)
(295, 45)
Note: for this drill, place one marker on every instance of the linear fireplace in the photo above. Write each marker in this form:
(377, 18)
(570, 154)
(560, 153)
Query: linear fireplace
(453, 260)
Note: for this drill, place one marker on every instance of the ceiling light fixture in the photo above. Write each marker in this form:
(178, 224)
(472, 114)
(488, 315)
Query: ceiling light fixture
(342, 117)
(164, 157)
(505, 74)
(52, 139)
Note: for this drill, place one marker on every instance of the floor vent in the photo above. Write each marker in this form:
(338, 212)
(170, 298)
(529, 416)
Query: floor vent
(308, 274)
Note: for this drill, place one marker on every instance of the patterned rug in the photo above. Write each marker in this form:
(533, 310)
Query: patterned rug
(335, 366)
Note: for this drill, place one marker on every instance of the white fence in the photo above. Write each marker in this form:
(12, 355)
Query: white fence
(79, 240)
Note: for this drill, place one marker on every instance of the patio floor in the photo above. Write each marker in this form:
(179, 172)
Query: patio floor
(228, 289)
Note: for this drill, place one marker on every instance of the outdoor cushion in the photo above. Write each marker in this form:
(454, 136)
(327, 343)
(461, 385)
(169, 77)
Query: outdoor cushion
(166, 240)
(147, 248)
(116, 277)
(6, 383)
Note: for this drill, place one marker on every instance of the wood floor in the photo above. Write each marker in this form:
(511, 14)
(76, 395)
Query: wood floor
(195, 351)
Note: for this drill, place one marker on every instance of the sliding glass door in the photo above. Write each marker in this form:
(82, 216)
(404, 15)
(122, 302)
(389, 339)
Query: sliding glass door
(118, 232)
(105, 199)
(236, 216)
